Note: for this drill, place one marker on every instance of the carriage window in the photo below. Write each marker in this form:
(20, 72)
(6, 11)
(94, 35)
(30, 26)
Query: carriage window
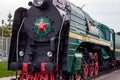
(107, 35)
(111, 36)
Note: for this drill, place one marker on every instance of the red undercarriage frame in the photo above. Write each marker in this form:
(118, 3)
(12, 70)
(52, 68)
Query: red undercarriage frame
(36, 75)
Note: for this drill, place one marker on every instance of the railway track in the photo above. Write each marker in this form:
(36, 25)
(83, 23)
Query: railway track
(94, 77)
(89, 78)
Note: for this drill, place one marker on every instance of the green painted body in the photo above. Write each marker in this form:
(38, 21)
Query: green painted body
(78, 25)
(73, 62)
(103, 54)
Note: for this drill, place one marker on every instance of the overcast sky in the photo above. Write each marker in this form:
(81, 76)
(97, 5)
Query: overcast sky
(104, 11)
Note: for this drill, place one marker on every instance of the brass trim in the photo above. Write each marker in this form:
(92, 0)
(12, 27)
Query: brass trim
(88, 39)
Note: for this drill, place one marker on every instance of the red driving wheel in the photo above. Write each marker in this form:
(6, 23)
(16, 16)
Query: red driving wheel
(85, 71)
(71, 77)
(91, 70)
(96, 66)
(96, 56)
(78, 76)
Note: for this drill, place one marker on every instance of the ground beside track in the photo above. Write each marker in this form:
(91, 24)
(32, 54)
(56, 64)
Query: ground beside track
(7, 78)
(115, 75)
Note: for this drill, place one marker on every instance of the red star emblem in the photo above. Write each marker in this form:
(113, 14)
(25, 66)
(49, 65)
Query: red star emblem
(41, 26)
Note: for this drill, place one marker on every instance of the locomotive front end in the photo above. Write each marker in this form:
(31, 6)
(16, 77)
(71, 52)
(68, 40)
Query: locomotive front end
(36, 39)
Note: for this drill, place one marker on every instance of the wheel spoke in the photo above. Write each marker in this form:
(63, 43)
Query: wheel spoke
(91, 70)
(96, 67)
(78, 76)
(85, 70)
(71, 77)
(96, 64)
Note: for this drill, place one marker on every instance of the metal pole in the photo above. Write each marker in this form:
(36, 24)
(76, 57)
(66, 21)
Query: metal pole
(6, 47)
(2, 21)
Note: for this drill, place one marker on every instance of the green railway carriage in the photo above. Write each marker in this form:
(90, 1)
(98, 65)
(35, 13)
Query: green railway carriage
(56, 40)
(117, 47)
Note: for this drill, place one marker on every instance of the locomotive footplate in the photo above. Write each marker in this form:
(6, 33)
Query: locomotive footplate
(36, 67)
(37, 71)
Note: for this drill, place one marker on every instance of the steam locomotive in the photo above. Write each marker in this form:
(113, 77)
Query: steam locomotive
(56, 40)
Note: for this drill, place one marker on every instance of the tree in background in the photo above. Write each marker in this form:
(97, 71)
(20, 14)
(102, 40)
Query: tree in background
(7, 31)
(9, 19)
(7, 27)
